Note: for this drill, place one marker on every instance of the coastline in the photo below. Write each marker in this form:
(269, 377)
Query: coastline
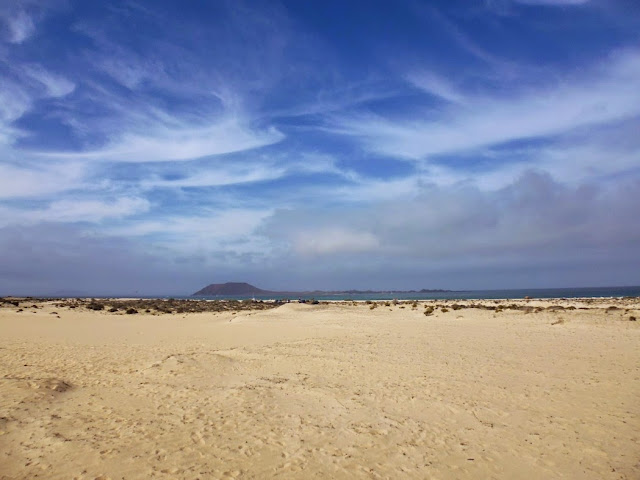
(539, 388)
(438, 294)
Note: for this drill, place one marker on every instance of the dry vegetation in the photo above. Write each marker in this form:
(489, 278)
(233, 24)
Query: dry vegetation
(625, 306)
(133, 306)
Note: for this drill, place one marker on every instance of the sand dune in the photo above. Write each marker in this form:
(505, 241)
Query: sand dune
(323, 391)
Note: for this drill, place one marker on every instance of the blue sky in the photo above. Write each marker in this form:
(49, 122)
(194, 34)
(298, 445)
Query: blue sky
(155, 147)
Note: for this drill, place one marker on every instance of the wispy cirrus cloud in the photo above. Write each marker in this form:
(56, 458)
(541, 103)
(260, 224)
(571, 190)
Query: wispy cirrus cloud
(269, 144)
(75, 211)
(55, 85)
(21, 27)
(553, 2)
(159, 101)
(21, 17)
(23, 86)
(163, 143)
(240, 169)
(436, 85)
(607, 94)
(40, 179)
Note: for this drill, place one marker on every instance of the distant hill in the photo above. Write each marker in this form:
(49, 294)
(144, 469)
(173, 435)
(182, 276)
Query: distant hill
(231, 289)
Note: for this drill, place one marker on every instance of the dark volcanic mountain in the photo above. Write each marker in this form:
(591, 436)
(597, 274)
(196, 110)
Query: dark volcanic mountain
(242, 289)
(232, 288)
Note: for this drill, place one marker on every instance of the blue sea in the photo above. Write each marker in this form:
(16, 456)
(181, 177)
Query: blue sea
(469, 294)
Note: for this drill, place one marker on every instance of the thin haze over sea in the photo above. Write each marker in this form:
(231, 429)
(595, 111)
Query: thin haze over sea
(590, 292)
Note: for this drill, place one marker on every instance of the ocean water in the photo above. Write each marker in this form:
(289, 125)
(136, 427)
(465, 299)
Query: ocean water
(461, 295)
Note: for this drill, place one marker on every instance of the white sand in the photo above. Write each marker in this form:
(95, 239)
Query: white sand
(322, 392)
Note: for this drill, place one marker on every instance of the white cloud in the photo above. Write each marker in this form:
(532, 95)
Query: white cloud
(94, 210)
(129, 71)
(208, 226)
(595, 155)
(608, 94)
(435, 85)
(162, 142)
(21, 27)
(218, 176)
(248, 169)
(531, 217)
(75, 210)
(36, 181)
(55, 85)
(14, 102)
(333, 100)
(368, 190)
(552, 2)
(17, 97)
(334, 241)
(167, 144)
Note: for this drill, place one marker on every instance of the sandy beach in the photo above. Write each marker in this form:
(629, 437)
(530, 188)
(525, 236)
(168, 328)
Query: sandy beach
(485, 389)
